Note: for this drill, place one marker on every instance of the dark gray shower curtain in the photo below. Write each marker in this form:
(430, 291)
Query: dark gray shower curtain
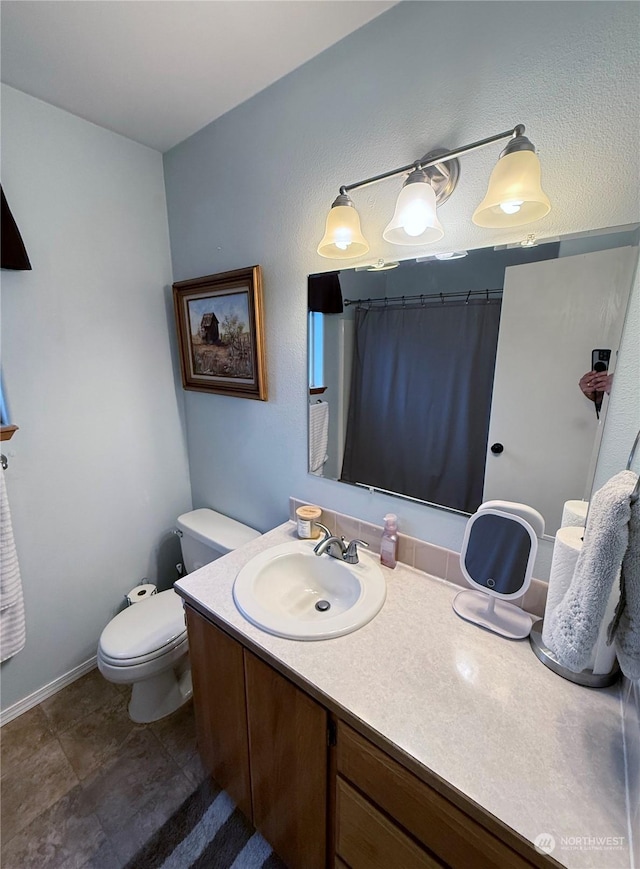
(420, 400)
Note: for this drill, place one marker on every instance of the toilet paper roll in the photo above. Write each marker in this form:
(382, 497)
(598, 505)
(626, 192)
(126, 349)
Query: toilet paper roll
(574, 513)
(565, 554)
(140, 592)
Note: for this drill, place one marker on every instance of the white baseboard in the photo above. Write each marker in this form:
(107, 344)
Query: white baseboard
(49, 690)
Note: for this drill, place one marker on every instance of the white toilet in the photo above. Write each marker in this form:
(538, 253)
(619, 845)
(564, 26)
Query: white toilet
(146, 644)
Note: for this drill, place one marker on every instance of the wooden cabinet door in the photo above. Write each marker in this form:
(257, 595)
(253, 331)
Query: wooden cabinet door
(288, 745)
(220, 710)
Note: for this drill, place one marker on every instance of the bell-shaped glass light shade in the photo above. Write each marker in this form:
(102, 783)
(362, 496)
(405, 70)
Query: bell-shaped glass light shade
(343, 237)
(415, 220)
(514, 196)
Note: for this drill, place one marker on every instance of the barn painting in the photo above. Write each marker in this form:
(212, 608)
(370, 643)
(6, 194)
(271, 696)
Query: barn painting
(209, 329)
(220, 337)
(221, 333)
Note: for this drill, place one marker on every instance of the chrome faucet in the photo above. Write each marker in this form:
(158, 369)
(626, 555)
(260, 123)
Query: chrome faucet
(337, 547)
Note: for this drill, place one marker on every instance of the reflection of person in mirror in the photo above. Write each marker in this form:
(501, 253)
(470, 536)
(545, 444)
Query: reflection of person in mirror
(594, 383)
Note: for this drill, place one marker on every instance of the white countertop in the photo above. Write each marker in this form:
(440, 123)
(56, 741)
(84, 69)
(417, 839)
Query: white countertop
(543, 755)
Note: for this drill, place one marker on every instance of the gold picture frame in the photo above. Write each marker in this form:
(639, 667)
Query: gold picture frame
(221, 333)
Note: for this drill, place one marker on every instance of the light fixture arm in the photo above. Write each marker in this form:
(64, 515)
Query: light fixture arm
(428, 161)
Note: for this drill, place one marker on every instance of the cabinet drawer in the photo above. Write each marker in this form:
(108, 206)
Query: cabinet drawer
(366, 839)
(454, 837)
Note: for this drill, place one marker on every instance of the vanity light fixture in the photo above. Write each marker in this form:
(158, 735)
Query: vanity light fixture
(415, 220)
(343, 237)
(514, 197)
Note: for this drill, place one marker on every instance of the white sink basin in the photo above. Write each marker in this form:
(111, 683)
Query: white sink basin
(279, 589)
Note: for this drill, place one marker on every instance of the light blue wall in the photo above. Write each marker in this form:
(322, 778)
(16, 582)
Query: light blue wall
(98, 470)
(254, 187)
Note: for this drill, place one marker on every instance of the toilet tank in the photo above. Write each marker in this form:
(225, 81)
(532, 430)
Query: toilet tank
(207, 534)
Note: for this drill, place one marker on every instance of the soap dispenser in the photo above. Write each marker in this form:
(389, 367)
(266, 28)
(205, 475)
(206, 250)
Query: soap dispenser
(389, 541)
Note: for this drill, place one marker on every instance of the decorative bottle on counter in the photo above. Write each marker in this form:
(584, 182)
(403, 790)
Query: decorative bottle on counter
(389, 541)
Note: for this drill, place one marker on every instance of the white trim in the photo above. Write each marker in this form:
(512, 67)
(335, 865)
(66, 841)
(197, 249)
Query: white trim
(49, 690)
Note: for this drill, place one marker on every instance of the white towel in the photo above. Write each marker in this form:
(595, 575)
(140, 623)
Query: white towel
(576, 622)
(626, 624)
(318, 436)
(12, 624)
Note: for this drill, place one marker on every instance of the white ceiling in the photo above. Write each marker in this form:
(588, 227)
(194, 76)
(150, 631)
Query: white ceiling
(159, 70)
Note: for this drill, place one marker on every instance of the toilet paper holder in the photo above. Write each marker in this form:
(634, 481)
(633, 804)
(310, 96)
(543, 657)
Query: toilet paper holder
(139, 593)
(586, 677)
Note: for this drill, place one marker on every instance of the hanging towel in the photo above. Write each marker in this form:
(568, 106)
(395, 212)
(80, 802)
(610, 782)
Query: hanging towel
(12, 624)
(318, 436)
(625, 627)
(576, 622)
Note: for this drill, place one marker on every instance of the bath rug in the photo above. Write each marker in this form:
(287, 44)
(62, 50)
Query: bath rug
(206, 832)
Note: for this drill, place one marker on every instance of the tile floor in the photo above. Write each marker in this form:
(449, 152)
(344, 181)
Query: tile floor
(83, 786)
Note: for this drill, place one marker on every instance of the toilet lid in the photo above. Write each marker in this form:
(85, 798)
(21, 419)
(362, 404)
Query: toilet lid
(144, 627)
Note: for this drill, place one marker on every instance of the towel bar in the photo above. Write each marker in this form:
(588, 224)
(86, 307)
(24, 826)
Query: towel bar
(636, 489)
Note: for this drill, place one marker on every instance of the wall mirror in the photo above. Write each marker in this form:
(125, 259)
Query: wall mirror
(456, 381)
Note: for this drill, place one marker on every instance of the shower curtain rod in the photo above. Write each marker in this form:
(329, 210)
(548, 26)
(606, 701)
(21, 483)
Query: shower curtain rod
(423, 297)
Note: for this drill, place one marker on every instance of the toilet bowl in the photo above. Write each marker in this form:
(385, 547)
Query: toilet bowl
(146, 644)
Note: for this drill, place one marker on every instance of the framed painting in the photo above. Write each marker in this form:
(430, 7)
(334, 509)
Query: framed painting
(220, 333)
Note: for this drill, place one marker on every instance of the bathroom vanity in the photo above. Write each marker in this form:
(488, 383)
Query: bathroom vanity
(419, 740)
